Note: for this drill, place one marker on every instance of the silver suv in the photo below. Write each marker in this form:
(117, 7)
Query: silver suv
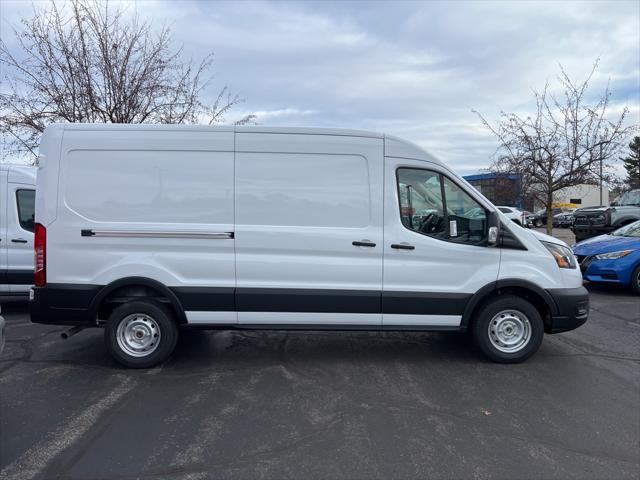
(590, 222)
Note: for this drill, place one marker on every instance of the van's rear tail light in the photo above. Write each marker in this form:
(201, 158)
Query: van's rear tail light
(40, 246)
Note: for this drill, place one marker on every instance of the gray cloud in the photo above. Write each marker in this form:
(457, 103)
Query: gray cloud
(410, 69)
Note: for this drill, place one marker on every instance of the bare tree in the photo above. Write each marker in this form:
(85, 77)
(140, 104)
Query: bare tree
(528, 191)
(88, 61)
(565, 142)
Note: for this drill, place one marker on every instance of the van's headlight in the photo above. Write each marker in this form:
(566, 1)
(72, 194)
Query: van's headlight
(613, 255)
(563, 255)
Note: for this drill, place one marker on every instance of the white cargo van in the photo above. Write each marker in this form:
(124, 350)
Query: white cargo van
(145, 229)
(17, 203)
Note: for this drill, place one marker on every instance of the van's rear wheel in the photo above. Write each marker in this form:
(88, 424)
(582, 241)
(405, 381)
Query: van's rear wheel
(508, 329)
(141, 333)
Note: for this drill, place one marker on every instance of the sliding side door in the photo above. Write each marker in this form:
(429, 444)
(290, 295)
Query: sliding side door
(308, 229)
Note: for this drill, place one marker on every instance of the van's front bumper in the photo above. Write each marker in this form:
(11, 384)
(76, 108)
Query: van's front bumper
(62, 305)
(572, 309)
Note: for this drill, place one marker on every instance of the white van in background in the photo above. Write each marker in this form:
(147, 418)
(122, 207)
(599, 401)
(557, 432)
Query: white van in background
(17, 203)
(144, 229)
(513, 214)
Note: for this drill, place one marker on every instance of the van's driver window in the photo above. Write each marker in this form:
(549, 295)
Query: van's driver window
(434, 205)
(421, 205)
(26, 200)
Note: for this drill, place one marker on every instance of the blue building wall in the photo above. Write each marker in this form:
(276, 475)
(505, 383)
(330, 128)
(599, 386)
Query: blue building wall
(500, 188)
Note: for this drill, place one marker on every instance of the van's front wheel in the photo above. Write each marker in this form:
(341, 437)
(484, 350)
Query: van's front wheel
(508, 329)
(141, 334)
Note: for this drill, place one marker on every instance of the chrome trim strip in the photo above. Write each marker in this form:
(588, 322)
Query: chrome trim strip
(156, 234)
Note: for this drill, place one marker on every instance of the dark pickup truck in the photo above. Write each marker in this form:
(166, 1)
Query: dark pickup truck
(600, 220)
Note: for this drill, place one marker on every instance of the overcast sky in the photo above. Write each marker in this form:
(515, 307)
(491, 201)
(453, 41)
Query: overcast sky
(413, 69)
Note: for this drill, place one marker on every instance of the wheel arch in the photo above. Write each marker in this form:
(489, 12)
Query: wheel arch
(137, 287)
(539, 297)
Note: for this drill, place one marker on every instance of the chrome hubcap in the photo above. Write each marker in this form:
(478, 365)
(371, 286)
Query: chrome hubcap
(509, 331)
(138, 335)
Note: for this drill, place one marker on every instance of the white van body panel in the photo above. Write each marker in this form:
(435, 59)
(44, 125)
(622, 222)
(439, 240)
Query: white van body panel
(24, 174)
(399, 148)
(309, 319)
(261, 226)
(16, 242)
(4, 284)
(211, 318)
(50, 146)
(538, 266)
(317, 132)
(160, 182)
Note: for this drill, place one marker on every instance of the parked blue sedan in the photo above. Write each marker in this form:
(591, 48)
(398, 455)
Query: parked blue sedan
(612, 258)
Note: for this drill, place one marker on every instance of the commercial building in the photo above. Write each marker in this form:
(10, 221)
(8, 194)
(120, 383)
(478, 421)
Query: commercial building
(500, 188)
(583, 195)
(506, 189)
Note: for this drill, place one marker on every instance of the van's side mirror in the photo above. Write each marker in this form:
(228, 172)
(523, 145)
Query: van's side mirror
(494, 229)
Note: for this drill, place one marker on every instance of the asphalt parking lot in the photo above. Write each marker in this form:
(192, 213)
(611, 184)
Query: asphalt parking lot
(324, 404)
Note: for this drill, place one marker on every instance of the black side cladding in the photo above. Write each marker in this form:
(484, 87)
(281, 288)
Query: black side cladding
(63, 304)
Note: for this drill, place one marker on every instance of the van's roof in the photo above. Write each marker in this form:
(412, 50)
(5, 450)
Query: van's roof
(394, 146)
(20, 173)
(221, 128)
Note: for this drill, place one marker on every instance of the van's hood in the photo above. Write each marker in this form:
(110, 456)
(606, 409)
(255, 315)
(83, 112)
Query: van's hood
(606, 244)
(543, 237)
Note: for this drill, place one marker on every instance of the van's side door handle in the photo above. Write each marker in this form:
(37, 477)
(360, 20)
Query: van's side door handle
(402, 246)
(18, 240)
(363, 243)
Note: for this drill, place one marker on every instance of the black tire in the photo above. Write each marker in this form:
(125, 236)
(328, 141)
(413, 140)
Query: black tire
(152, 320)
(635, 281)
(521, 310)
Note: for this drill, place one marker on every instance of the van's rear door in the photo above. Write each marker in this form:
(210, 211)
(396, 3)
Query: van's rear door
(308, 229)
